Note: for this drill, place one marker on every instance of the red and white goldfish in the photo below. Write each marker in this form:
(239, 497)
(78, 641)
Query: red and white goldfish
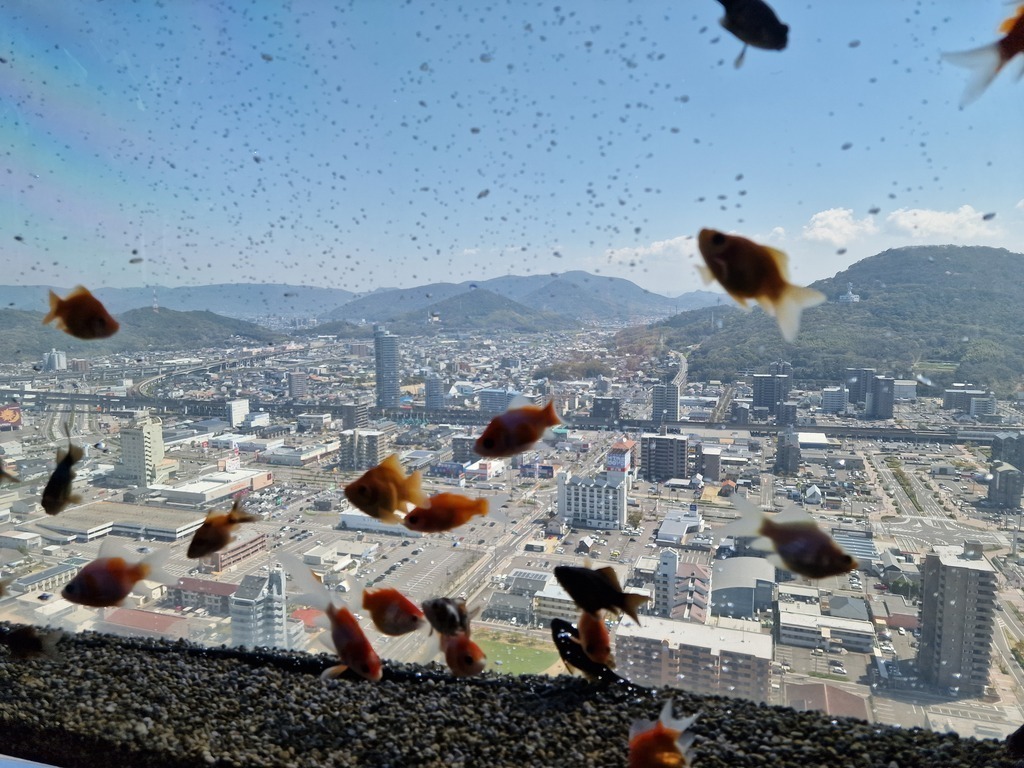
(989, 60)
(750, 271)
(463, 657)
(81, 314)
(661, 743)
(594, 638)
(447, 616)
(350, 642)
(384, 490)
(215, 532)
(108, 579)
(596, 590)
(800, 545)
(57, 493)
(515, 430)
(392, 612)
(446, 511)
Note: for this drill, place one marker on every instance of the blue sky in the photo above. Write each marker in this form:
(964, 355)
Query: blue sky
(381, 143)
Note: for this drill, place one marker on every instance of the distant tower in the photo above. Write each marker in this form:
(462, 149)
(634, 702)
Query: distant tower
(385, 350)
(434, 385)
(156, 304)
(298, 384)
(142, 451)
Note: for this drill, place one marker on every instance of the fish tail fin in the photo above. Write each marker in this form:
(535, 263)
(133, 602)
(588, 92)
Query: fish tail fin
(55, 301)
(705, 274)
(76, 452)
(482, 507)
(49, 639)
(306, 585)
(633, 602)
(414, 490)
(549, 414)
(238, 515)
(7, 476)
(332, 672)
(791, 304)
(75, 498)
(750, 522)
(984, 63)
(155, 571)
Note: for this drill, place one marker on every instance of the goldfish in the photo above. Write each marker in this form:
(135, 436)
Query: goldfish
(463, 657)
(447, 616)
(594, 639)
(26, 642)
(6, 476)
(989, 60)
(750, 271)
(57, 493)
(350, 642)
(1015, 743)
(800, 545)
(515, 430)
(446, 511)
(392, 612)
(81, 314)
(661, 743)
(108, 579)
(567, 642)
(596, 590)
(754, 23)
(4, 584)
(381, 491)
(215, 532)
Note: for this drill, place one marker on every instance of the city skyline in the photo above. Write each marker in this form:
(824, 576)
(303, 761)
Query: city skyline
(385, 144)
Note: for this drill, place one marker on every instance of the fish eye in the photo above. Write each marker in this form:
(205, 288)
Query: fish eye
(488, 442)
(468, 659)
(413, 519)
(362, 489)
(718, 238)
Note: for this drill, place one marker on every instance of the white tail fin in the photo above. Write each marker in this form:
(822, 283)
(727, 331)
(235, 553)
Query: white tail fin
(306, 585)
(984, 63)
(791, 304)
(157, 572)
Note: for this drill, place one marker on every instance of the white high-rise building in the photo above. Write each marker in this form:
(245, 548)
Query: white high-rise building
(142, 452)
(593, 502)
(237, 411)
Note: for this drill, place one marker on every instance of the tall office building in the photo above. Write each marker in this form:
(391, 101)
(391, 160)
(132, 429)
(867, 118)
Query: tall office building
(958, 600)
(237, 410)
(385, 351)
(355, 415)
(771, 390)
(835, 399)
(1006, 486)
(663, 457)
(259, 614)
(880, 398)
(434, 392)
(142, 452)
(593, 502)
(55, 360)
(298, 384)
(787, 453)
(857, 382)
(665, 404)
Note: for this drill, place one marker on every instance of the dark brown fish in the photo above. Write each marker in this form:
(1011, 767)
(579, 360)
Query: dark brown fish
(215, 532)
(81, 315)
(595, 590)
(754, 23)
(567, 642)
(447, 616)
(26, 642)
(57, 493)
(750, 271)
(515, 430)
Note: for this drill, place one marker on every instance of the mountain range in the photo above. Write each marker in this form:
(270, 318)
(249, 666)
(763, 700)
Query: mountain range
(942, 313)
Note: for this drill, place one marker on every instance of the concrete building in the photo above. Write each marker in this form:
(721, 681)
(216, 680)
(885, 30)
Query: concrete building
(742, 587)
(241, 549)
(665, 404)
(787, 453)
(705, 660)
(677, 525)
(236, 411)
(770, 390)
(709, 459)
(905, 390)
(803, 625)
(608, 409)
(593, 502)
(785, 415)
(958, 397)
(55, 360)
(298, 384)
(681, 589)
(663, 457)
(213, 596)
(553, 602)
(835, 399)
(958, 599)
(1008, 447)
(434, 392)
(1006, 487)
(259, 614)
(142, 452)
(364, 448)
(880, 398)
(355, 416)
(496, 400)
(857, 382)
(386, 360)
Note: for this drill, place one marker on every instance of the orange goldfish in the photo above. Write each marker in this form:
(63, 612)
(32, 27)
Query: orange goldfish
(446, 511)
(515, 430)
(385, 489)
(57, 493)
(750, 271)
(350, 642)
(661, 743)
(392, 612)
(988, 60)
(215, 532)
(463, 656)
(81, 314)
(26, 642)
(594, 639)
(107, 580)
(594, 590)
(352, 646)
(800, 545)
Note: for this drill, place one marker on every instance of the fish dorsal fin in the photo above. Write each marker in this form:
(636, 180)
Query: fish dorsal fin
(392, 463)
(780, 259)
(519, 401)
(1009, 24)
(611, 577)
(793, 515)
(111, 547)
(79, 290)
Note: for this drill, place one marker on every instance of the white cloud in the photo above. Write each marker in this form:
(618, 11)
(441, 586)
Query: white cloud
(1020, 204)
(837, 226)
(963, 224)
(674, 248)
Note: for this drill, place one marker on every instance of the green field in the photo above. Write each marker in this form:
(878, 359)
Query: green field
(515, 659)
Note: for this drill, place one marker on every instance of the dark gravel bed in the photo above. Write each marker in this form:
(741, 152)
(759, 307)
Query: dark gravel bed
(108, 701)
